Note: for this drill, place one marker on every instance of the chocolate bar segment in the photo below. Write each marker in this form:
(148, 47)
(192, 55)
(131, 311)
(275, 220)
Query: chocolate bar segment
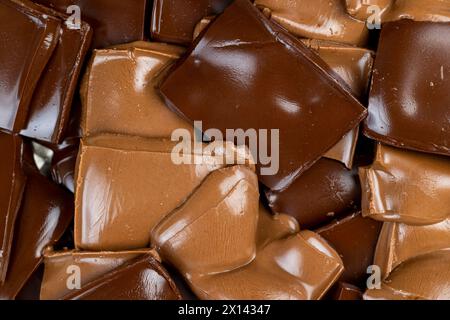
(28, 40)
(408, 107)
(264, 80)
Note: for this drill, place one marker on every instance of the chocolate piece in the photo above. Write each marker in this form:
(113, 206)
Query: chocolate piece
(399, 242)
(92, 265)
(355, 239)
(119, 91)
(45, 214)
(424, 277)
(221, 71)
(174, 21)
(408, 107)
(317, 19)
(406, 186)
(52, 99)
(12, 184)
(113, 21)
(361, 9)
(63, 167)
(321, 194)
(142, 279)
(346, 291)
(28, 40)
(126, 185)
(274, 227)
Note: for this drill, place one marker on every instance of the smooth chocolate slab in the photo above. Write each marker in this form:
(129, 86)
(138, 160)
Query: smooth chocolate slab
(174, 21)
(92, 265)
(46, 212)
(114, 21)
(408, 107)
(12, 184)
(406, 186)
(324, 192)
(317, 19)
(141, 279)
(355, 239)
(53, 96)
(264, 80)
(28, 40)
(119, 91)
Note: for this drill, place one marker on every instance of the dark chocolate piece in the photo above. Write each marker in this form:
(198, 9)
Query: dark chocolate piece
(345, 291)
(324, 192)
(247, 73)
(28, 39)
(409, 106)
(142, 279)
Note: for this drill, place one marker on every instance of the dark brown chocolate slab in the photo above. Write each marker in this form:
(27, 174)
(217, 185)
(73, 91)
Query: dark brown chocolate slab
(12, 184)
(113, 21)
(28, 39)
(410, 95)
(246, 72)
(323, 193)
(174, 21)
(46, 211)
(141, 279)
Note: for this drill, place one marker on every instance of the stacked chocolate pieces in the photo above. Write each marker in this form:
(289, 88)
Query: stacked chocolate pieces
(220, 149)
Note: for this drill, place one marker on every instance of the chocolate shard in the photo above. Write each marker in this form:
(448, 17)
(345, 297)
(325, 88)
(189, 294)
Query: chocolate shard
(113, 21)
(12, 185)
(317, 19)
(61, 266)
(424, 277)
(355, 239)
(408, 107)
(241, 84)
(46, 212)
(325, 192)
(180, 30)
(406, 186)
(53, 96)
(345, 291)
(28, 40)
(399, 242)
(132, 72)
(63, 167)
(141, 279)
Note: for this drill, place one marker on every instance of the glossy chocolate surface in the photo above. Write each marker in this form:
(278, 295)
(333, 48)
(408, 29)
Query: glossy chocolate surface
(254, 77)
(113, 21)
(28, 40)
(406, 186)
(12, 184)
(52, 99)
(46, 212)
(132, 72)
(317, 19)
(408, 107)
(141, 279)
(324, 192)
(355, 239)
(174, 21)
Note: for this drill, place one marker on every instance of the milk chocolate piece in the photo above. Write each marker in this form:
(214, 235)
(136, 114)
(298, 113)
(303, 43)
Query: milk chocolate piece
(113, 21)
(126, 185)
(45, 213)
(28, 40)
(52, 99)
(274, 227)
(317, 19)
(231, 84)
(119, 91)
(174, 21)
(406, 186)
(408, 107)
(142, 279)
(346, 291)
(355, 239)
(12, 184)
(399, 242)
(92, 265)
(423, 277)
(361, 9)
(324, 192)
